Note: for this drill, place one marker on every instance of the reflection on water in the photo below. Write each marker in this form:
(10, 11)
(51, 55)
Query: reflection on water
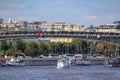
(52, 73)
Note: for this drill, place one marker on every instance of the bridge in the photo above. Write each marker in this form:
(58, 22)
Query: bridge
(63, 34)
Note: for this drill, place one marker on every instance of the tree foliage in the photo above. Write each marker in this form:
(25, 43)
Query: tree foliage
(20, 44)
(100, 46)
(77, 46)
(10, 52)
(33, 49)
(4, 45)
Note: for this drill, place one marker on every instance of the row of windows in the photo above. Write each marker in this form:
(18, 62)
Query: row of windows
(111, 27)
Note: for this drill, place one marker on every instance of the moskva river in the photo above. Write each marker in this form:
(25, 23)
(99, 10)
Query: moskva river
(52, 73)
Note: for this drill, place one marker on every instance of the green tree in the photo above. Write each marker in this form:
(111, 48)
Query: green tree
(61, 49)
(91, 46)
(4, 45)
(10, 52)
(110, 49)
(84, 47)
(45, 48)
(10, 45)
(49, 47)
(20, 44)
(100, 47)
(79, 46)
(33, 49)
(29, 52)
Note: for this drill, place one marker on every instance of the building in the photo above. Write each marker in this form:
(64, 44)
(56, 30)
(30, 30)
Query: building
(1, 20)
(60, 26)
(112, 27)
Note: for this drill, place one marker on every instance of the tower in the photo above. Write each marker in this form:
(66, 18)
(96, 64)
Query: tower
(9, 20)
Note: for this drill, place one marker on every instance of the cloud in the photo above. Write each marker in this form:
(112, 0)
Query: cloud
(9, 9)
(108, 18)
(4, 13)
(89, 18)
(11, 4)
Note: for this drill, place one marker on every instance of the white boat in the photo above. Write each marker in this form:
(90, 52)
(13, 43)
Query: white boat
(19, 61)
(76, 60)
(63, 63)
(83, 62)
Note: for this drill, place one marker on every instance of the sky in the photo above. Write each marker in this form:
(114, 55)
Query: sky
(80, 12)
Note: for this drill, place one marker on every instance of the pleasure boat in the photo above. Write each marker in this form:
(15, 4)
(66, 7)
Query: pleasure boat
(15, 62)
(63, 63)
(19, 61)
(112, 62)
(78, 60)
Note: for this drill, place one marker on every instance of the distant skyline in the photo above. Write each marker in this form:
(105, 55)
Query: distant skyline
(80, 12)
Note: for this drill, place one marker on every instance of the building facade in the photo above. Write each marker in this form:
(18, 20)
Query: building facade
(112, 27)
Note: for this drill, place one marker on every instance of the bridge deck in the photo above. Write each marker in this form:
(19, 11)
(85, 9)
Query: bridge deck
(83, 35)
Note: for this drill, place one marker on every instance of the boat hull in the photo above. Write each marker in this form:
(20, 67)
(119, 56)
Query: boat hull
(62, 63)
(115, 62)
(80, 62)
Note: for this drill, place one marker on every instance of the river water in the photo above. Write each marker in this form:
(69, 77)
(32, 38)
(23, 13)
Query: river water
(51, 73)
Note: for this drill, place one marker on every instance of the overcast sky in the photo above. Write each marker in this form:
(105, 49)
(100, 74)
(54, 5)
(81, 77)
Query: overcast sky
(80, 12)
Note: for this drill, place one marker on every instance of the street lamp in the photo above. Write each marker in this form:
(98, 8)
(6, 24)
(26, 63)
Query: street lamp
(52, 30)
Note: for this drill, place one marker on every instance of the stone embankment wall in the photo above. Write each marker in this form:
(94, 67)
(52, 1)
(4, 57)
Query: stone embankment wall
(53, 61)
(2, 61)
(97, 61)
(41, 61)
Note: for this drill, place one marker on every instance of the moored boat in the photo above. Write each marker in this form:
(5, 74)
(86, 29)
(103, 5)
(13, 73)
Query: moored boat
(78, 60)
(63, 63)
(15, 62)
(112, 62)
(19, 61)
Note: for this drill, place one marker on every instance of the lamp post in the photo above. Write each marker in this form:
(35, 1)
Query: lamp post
(14, 47)
(52, 30)
(116, 49)
(105, 49)
(0, 47)
(77, 49)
